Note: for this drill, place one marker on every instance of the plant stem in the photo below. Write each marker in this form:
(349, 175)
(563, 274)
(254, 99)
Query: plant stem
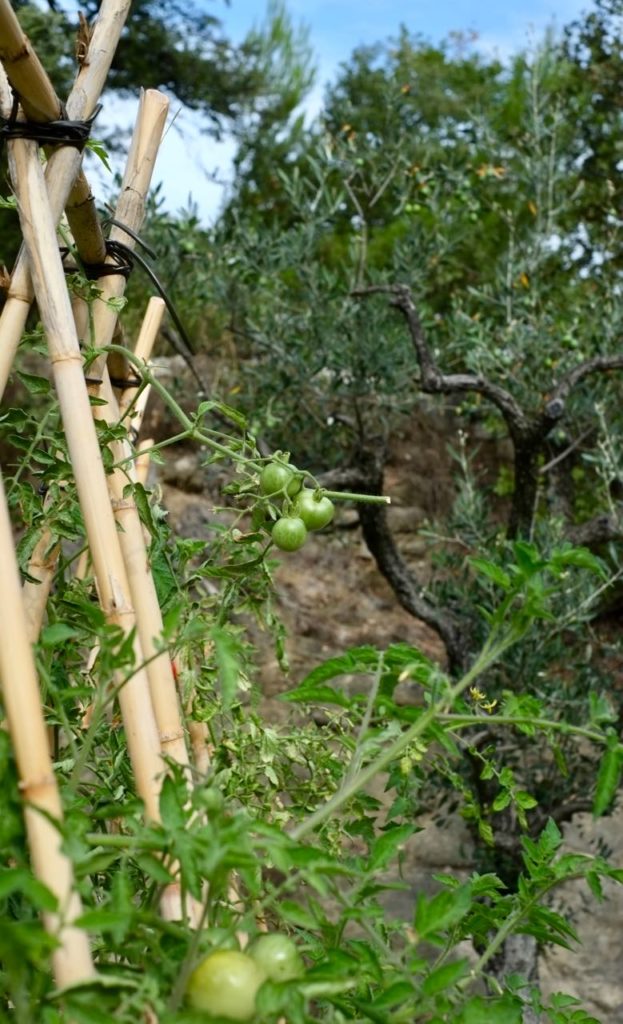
(176, 439)
(510, 925)
(188, 963)
(465, 721)
(490, 652)
(191, 430)
(369, 499)
(357, 756)
(193, 433)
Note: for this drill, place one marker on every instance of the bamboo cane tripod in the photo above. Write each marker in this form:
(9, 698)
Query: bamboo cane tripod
(148, 700)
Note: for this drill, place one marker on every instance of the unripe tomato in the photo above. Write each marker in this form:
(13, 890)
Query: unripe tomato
(277, 479)
(225, 985)
(315, 512)
(289, 533)
(212, 800)
(278, 957)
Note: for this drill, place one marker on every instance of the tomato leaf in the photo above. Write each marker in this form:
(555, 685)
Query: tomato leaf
(608, 776)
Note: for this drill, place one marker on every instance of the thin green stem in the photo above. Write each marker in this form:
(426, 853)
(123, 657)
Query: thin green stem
(176, 439)
(26, 461)
(510, 926)
(191, 429)
(467, 721)
(129, 843)
(369, 499)
(490, 652)
(355, 761)
(205, 437)
(188, 963)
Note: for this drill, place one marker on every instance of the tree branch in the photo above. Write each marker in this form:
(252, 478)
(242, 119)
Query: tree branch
(599, 364)
(600, 530)
(528, 433)
(391, 564)
(433, 381)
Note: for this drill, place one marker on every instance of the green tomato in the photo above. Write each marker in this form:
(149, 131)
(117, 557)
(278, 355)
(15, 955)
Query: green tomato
(289, 533)
(278, 479)
(278, 957)
(212, 800)
(315, 512)
(225, 985)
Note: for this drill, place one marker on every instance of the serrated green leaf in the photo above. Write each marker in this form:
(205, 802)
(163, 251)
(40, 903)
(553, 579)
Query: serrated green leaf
(141, 500)
(14, 880)
(444, 910)
(444, 977)
(608, 778)
(153, 868)
(102, 920)
(485, 832)
(501, 801)
(525, 800)
(171, 807)
(492, 572)
(34, 384)
(507, 1010)
(227, 655)
(56, 634)
(296, 914)
(387, 845)
(394, 995)
(308, 693)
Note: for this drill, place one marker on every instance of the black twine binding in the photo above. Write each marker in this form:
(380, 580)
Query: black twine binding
(122, 264)
(47, 133)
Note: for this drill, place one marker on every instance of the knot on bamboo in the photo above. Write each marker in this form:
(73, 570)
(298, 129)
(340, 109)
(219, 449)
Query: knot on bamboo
(172, 737)
(32, 786)
(65, 357)
(123, 504)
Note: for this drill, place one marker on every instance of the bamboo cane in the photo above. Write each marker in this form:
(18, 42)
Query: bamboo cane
(61, 170)
(143, 349)
(20, 690)
(44, 559)
(38, 228)
(130, 211)
(41, 567)
(141, 463)
(40, 103)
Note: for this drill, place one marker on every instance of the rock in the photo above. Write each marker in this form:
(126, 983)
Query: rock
(186, 472)
(404, 519)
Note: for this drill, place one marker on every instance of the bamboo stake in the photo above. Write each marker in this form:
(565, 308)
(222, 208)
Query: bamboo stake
(40, 103)
(38, 228)
(41, 567)
(143, 349)
(61, 170)
(44, 559)
(130, 211)
(71, 961)
(141, 463)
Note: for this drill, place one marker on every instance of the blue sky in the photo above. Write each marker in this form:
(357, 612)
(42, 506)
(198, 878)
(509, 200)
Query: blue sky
(336, 27)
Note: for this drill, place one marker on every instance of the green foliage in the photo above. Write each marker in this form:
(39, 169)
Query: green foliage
(283, 812)
(460, 176)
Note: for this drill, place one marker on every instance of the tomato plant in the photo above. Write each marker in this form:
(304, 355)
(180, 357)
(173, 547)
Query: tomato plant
(314, 509)
(225, 985)
(289, 533)
(278, 957)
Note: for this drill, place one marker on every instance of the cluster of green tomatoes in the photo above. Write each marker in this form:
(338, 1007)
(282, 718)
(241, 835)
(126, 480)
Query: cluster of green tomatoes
(303, 508)
(226, 982)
